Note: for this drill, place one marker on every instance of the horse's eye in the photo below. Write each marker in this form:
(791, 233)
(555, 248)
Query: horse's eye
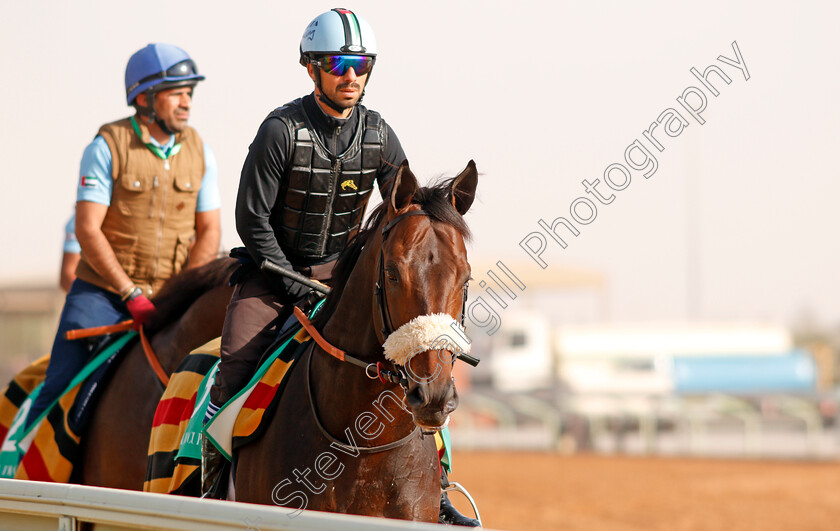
(392, 276)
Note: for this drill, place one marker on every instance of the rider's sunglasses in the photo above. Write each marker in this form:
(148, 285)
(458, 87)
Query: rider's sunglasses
(338, 65)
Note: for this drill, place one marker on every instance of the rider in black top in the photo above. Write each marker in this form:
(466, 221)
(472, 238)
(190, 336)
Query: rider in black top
(304, 187)
(259, 200)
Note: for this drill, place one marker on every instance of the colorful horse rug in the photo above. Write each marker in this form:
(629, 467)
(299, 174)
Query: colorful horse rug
(49, 449)
(174, 465)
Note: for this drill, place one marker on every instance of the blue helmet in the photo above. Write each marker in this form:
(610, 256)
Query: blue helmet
(338, 31)
(159, 66)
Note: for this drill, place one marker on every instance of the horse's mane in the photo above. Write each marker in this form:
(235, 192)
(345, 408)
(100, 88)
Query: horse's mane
(436, 200)
(183, 289)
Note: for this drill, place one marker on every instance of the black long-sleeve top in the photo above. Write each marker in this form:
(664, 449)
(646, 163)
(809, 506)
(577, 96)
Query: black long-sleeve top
(265, 167)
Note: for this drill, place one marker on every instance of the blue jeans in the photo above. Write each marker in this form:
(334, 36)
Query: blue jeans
(86, 306)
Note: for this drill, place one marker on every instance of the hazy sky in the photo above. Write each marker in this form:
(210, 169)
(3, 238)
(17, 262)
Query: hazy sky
(738, 220)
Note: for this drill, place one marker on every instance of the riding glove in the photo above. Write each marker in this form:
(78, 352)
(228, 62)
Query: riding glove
(140, 308)
(286, 289)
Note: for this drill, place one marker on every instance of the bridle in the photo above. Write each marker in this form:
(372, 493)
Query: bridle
(382, 298)
(385, 326)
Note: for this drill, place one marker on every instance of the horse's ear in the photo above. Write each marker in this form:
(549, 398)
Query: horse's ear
(463, 188)
(403, 188)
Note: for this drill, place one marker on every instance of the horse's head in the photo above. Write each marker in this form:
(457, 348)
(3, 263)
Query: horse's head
(421, 289)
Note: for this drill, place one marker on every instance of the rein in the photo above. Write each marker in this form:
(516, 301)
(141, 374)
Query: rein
(333, 440)
(337, 353)
(153, 360)
(124, 326)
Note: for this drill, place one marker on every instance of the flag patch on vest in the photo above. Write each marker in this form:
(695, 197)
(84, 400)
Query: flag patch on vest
(349, 184)
(89, 181)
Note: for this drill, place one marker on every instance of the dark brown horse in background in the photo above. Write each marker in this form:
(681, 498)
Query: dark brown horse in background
(190, 311)
(312, 455)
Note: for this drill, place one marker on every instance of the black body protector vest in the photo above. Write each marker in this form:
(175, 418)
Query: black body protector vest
(323, 196)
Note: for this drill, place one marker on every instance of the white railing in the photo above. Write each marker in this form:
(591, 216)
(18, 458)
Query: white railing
(30, 505)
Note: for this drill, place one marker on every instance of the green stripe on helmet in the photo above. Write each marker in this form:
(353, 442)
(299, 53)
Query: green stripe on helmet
(355, 30)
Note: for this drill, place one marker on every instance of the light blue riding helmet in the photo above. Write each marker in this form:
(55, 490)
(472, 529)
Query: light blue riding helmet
(338, 31)
(159, 66)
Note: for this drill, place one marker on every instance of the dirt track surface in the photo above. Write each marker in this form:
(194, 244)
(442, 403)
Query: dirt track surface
(532, 491)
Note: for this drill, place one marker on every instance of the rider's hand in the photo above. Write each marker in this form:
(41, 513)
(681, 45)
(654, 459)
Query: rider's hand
(140, 308)
(286, 289)
(320, 283)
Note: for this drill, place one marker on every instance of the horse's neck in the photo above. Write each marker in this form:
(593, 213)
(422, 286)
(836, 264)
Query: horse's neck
(164, 347)
(350, 327)
(343, 393)
(199, 324)
(340, 387)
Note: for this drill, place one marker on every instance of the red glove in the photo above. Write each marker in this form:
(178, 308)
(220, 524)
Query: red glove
(140, 308)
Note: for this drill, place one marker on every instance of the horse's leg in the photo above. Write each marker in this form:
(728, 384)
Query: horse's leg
(116, 439)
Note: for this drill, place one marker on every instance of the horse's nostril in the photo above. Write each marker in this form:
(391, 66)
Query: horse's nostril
(451, 405)
(417, 397)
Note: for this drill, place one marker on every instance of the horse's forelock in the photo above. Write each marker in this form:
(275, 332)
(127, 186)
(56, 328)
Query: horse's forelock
(436, 200)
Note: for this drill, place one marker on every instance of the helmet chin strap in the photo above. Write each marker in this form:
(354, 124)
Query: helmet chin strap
(330, 103)
(163, 126)
(323, 97)
(149, 110)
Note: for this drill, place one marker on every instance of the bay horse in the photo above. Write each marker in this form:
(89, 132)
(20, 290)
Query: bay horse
(341, 439)
(190, 310)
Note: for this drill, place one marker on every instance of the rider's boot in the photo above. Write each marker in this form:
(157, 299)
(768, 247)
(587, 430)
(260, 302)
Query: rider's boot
(448, 513)
(214, 467)
(214, 471)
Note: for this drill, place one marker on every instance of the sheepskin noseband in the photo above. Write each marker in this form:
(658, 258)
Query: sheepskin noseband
(426, 332)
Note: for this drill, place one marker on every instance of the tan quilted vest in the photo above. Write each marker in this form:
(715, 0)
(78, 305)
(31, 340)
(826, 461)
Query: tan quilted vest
(151, 221)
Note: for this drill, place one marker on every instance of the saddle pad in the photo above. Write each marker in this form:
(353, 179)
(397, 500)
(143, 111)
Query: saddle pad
(17, 396)
(166, 471)
(238, 422)
(174, 457)
(48, 450)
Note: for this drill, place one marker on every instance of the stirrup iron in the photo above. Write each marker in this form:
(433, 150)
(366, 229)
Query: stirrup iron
(454, 486)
